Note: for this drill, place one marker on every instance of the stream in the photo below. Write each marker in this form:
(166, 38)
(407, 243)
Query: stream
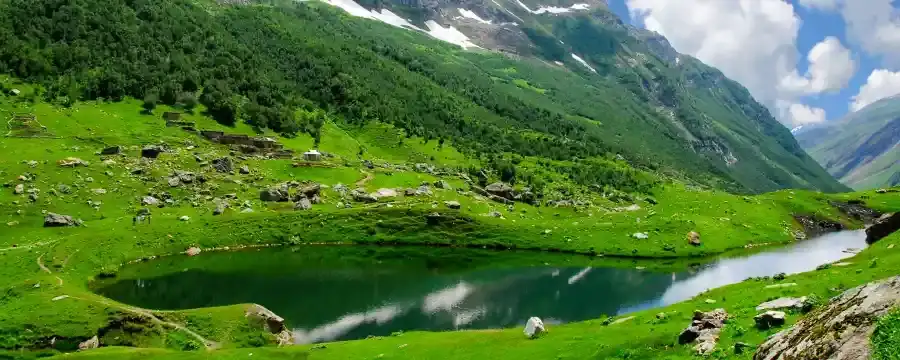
(328, 294)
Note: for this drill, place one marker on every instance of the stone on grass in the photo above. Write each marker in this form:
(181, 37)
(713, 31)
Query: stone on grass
(19, 189)
(303, 204)
(501, 189)
(152, 151)
(72, 162)
(361, 196)
(640, 236)
(57, 220)
(149, 201)
(534, 328)
(694, 238)
(244, 170)
(99, 191)
(112, 150)
(385, 193)
(453, 205)
(174, 182)
(704, 330)
(89, 344)
(275, 194)
(223, 165)
(783, 303)
(193, 251)
(441, 184)
(883, 227)
(185, 218)
(769, 319)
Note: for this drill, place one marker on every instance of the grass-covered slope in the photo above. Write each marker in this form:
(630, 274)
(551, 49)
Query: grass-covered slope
(862, 149)
(258, 64)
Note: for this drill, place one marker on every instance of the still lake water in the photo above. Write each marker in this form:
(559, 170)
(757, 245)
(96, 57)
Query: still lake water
(325, 300)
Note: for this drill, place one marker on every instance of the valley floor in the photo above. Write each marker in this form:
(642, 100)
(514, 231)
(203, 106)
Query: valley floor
(46, 305)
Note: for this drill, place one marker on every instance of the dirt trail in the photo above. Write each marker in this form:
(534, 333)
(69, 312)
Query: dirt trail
(40, 263)
(362, 182)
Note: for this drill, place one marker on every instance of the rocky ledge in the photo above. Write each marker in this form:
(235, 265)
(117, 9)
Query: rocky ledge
(839, 331)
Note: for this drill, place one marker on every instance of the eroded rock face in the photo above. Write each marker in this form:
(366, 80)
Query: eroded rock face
(883, 227)
(258, 315)
(839, 331)
(704, 330)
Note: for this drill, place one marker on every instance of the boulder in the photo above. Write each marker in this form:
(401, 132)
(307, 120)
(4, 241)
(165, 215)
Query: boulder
(193, 251)
(385, 193)
(694, 238)
(185, 218)
(303, 204)
(769, 319)
(704, 330)
(442, 184)
(244, 170)
(361, 196)
(838, 331)
(149, 201)
(57, 220)
(19, 189)
(152, 151)
(72, 162)
(453, 205)
(112, 150)
(534, 328)
(223, 165)
(640, 236)
(883, 227)
(275, 194)
(261, 317)
(221, 206)
(423, 190)
(501, 189)
(174, 182)
(184, 176)
(89, 344)
(783, 303)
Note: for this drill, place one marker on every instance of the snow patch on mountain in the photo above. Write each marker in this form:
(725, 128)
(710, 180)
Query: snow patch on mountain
(554, 9)
(472, 15)
(579, 59)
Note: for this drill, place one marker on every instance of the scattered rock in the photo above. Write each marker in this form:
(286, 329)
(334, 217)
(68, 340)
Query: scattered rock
(694, 238)
(262, 316)
(739, 347)
(303, 204)
(72, 162)
(99, 191)
(385, 193)
(441, 184)
(361, 196)
(704, 330)
(89, 344)
(534, 328)
(453, 205)
(174, 182)
(184, 176)
(423, 190)
(19, 189)
(193, 251)
(63, 188)
(57, 220)
(112, 150)
(152, 151)
(223, 165)
(185, 218)
(883, 227)
(502, 190)
(783, 303)
(640, 236)
(244, 170)
(275, 194)
(813, 226)
(149, 201)
(769, 319)
(784, 285)
(220, 208)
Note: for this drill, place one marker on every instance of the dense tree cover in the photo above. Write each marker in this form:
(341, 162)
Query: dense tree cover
(288, 66)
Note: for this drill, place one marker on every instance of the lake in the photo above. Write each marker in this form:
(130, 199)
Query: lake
(329, 293)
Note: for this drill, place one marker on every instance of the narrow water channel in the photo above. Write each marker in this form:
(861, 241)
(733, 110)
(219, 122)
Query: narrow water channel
(328, 294)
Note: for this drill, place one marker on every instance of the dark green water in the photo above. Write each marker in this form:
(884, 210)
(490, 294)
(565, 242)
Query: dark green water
(337, 293)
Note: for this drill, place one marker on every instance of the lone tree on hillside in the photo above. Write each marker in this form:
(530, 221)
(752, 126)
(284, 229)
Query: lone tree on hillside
(150, 101)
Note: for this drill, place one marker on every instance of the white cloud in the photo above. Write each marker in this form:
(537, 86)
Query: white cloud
(801, 114)
(820, 4)
(875, 26)
(831, 66)
(880, 84)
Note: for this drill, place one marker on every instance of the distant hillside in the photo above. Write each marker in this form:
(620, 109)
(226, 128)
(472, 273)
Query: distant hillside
(862, 149)
(561, 81)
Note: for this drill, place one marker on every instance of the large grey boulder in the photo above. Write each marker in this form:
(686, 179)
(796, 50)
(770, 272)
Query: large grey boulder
(784, 303)
(501, 189)
(19, 189)
(152, 151)
(704, 330)
(223, 165)
(57, 220)
(883, 227)
(769, 319)
(839, 331)
(303, 204)
(112, 150)
(534, 327)
(259, 316)
(275, 194)
(89, 344)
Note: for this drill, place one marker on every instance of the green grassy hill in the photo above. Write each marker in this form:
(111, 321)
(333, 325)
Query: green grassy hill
(862, 149)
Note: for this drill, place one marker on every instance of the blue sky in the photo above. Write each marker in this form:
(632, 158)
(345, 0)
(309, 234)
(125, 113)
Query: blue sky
(816, 24)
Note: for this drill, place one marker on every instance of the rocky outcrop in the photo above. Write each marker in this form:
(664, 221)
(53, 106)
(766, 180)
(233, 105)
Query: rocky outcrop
(769, 319)
(501, 189)
(534, 328)
(274, 194)
(57, 220)
(89, 344)
(857, 210)
(839, 331)
(112, 150)
(704, 330)
(223, 165)
(814, 226)
(259, 316)
(152, 151)
(883, 227)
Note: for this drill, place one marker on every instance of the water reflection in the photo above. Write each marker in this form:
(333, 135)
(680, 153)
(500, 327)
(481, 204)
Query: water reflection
(324, 303)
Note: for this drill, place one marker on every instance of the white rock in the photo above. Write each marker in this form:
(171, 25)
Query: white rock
(185, 218)
(534, 327)
(640, 236)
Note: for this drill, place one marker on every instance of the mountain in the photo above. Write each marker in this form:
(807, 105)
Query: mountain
(863, 148)
(566, 88)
